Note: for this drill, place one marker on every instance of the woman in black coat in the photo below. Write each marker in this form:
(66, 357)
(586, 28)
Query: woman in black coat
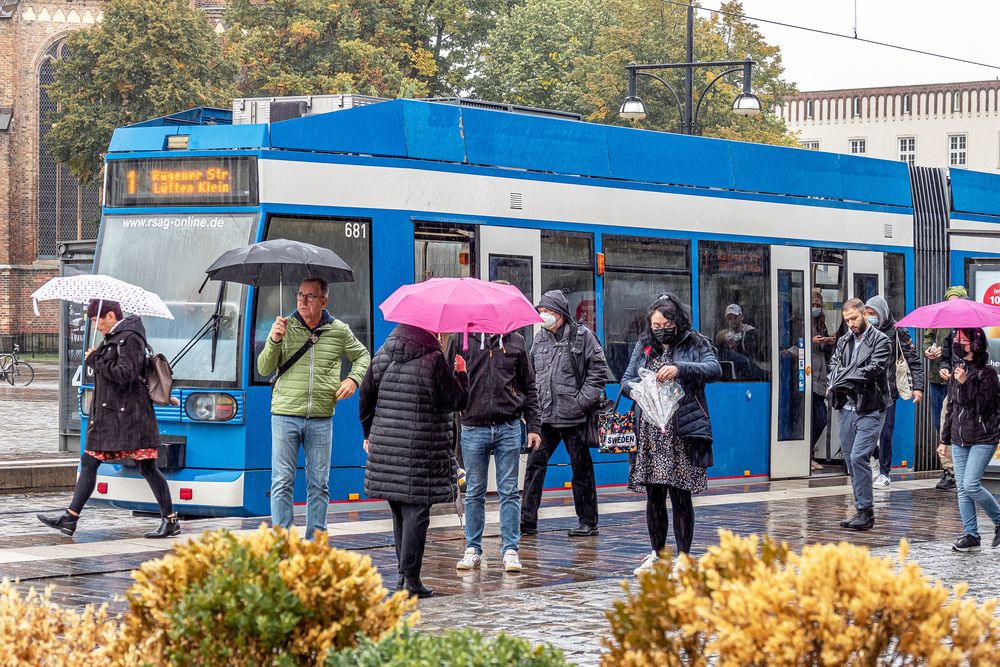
(407, 403)
(673, 462)
(121, 421)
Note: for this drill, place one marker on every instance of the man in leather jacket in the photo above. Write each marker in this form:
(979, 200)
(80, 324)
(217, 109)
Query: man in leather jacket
(859, 390)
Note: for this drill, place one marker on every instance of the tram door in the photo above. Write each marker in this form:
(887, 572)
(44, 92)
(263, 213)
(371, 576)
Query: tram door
(791, 385)
(515, 255)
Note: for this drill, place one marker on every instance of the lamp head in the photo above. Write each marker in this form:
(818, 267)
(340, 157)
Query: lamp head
(632, 108)
(746, 104)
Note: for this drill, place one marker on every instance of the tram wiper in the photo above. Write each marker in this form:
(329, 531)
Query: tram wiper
(213, 324)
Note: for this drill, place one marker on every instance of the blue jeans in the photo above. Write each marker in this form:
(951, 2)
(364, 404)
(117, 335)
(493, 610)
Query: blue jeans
(858, 437)
(938, 393)
(503, 441)
(316, 438)
(970, 464)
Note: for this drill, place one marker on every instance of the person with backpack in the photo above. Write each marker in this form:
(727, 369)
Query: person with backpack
(305, 352)
(971, 428)
(121, 423)
(570, 375)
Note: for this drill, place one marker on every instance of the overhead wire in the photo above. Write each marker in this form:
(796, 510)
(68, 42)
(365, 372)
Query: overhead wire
(830, 33)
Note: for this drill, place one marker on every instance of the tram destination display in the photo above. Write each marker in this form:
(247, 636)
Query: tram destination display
(200, 181)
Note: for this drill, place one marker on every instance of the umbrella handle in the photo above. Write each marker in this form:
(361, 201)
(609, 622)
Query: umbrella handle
(203, 283)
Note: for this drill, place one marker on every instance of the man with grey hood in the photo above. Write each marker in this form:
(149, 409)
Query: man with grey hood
(570, 374)
(877, 313)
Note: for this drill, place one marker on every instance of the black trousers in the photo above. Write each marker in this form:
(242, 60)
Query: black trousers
(656, 517)
(147, 468)
(584, 487)
(409, 531)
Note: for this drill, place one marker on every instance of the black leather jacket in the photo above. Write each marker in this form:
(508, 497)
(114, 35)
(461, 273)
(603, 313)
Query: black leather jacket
(862, 381)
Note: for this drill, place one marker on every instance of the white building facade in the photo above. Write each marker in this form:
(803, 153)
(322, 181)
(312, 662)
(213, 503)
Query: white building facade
(936, 125)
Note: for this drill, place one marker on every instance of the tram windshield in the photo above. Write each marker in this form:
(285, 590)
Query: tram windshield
(168, 254)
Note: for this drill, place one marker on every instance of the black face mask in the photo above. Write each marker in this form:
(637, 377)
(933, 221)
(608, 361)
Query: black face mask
(958, 350)
(664, 335)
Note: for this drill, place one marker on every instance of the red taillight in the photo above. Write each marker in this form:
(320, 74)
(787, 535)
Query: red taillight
(102, 487)
(186, 494)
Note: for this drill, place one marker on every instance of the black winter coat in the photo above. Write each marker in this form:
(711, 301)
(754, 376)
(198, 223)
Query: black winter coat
(121, 416)
(501, 380)
(697, 365)
(861, 377)
(407, 403)
(972, 416)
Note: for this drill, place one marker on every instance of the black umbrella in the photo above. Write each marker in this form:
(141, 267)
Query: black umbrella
(275, 262)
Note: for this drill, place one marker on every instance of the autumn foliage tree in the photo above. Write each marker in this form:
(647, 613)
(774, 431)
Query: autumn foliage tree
(147, 58)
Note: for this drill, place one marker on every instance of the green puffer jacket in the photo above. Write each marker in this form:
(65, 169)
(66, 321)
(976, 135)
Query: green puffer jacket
(308, 388)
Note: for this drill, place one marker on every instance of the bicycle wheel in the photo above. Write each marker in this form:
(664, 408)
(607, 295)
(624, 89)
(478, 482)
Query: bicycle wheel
(23, 373)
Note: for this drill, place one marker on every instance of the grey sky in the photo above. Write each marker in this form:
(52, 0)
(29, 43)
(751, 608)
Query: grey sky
(960, 28)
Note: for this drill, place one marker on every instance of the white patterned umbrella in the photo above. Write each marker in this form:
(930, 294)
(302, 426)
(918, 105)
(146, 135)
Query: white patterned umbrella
(86, 288)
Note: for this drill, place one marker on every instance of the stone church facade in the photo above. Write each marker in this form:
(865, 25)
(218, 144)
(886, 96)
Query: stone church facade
(40, 203)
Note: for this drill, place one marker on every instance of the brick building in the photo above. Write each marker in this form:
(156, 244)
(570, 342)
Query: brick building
(40, 203)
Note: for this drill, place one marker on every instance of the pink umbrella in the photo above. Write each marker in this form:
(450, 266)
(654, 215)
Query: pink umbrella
(456, 305)
(953, 314)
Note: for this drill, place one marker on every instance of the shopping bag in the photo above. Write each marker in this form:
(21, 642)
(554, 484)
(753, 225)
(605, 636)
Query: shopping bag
(616, 432)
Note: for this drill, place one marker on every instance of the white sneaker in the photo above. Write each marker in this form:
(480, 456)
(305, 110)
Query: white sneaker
(511, 563)
(470, 561)
(647, 563)
(680, 564)
(881, 482)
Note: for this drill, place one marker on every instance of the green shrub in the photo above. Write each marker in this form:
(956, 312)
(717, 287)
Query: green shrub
(455, 648)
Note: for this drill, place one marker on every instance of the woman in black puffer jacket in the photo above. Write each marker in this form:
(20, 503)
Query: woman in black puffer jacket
(674, 462)
(407, 403)
(971, 427)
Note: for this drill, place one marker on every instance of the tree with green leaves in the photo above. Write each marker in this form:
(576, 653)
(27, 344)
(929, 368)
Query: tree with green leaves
(147, 58)
(316, 47)
(571, 55)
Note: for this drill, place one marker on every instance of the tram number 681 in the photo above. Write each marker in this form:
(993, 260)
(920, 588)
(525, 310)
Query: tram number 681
(356, 230)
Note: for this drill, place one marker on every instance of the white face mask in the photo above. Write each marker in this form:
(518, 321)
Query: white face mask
(548, 320)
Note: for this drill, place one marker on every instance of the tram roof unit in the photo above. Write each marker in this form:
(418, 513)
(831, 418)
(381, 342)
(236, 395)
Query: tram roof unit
(449, 133)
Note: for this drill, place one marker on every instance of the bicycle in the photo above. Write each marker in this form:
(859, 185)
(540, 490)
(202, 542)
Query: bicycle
(14, 371)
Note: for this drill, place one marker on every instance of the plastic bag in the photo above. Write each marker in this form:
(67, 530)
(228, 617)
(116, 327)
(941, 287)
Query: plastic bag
(657, 400)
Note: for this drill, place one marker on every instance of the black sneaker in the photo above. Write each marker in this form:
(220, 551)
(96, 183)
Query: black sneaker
(863, 520)
(528, 530)
(967, 544)
(996, 538)
(64, 523)
(947, 482)
(583, 530)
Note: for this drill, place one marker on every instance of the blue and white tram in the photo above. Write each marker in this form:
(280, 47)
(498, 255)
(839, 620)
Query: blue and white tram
(405, 190)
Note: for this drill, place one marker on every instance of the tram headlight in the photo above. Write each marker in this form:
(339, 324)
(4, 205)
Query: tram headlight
(204, 407)
(86, 401)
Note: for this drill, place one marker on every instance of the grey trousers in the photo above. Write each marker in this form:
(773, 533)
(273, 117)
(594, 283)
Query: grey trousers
(858, 437)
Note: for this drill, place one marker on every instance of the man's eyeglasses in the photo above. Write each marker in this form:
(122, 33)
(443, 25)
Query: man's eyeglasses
(308, 298)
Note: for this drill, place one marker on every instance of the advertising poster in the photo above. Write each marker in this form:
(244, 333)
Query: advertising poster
(986, 289)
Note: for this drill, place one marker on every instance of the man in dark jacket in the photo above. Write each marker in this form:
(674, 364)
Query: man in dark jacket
(877, 313)
(501, 393)
(570, 374)
(407, 403)
(859, 390)
(121, 424)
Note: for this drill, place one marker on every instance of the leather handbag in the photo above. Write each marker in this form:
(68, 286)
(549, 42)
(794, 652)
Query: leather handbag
(904, 384)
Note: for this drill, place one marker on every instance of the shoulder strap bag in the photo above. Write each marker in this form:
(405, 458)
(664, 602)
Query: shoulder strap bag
(299, 353)
(903, 383)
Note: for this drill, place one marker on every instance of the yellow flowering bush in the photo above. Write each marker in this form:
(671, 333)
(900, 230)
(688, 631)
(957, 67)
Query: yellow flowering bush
(270, 598)
(749, 603)
(35, 631)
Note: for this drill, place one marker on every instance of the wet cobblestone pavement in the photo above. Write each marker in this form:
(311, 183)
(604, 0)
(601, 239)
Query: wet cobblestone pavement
(29, 416)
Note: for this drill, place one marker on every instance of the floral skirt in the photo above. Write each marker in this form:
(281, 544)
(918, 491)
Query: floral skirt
(136, 454)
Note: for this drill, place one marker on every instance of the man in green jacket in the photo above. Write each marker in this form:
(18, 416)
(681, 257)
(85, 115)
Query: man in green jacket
(304, 398)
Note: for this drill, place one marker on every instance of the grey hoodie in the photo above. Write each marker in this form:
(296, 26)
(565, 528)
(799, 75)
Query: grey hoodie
(887, 325)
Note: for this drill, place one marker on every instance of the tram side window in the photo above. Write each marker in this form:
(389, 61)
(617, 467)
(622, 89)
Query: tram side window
(443, 251)
(895, 283)
(568, 265)
(636, 271)
(735, 286)
(349, 302)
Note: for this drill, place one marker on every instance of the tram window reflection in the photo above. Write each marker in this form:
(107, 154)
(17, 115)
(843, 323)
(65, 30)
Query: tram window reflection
(735, 286)
(568, 265)
(637, 270)
(895, 283)
(443, 250)
(349, 302)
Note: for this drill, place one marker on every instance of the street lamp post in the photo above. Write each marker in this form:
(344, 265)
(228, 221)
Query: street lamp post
(745, 104)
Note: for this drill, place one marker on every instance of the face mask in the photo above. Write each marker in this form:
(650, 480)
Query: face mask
(664, 335)
(958, 350)
(548, 320)
(816, 312)
(872, 320)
